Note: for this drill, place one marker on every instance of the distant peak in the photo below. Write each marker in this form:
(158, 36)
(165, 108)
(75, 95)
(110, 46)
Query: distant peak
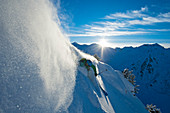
(74, 43)
(152, 45)
(156, 44)
(92, 44)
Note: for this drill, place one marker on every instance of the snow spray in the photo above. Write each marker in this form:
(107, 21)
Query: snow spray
(37, 65)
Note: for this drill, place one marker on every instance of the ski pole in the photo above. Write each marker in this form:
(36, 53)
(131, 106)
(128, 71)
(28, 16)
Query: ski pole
(102, 72)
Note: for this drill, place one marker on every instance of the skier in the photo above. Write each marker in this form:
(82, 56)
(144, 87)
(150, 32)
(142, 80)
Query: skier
(88, 64)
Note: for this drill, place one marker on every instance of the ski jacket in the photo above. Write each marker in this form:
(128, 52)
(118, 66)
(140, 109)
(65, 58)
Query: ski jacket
(88, 64)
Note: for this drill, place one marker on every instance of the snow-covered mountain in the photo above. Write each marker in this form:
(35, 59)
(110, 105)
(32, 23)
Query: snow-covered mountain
(22, 89)
(88, 96)
(150, 64)
(39, 70)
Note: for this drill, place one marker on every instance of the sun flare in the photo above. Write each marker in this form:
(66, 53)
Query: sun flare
(103, 42)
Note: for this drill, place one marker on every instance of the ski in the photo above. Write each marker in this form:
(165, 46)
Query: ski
(105, 93)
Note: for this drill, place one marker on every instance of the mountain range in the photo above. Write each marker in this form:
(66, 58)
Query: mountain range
(150, 64)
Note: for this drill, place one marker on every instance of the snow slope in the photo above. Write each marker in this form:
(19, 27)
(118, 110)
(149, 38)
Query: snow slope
(38, 67)
(35, 75)
(150, 64)
(89, 98)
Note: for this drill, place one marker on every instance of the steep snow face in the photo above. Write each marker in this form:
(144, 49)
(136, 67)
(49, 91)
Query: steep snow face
(89, 96)
(150, 64)
(37, 67)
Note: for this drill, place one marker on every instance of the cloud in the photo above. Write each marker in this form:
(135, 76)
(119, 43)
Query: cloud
(151, 20)
(143, 9)
(139, 22)
(156, 19)
(158, 29)
(119, 24)
(166, 15)
(109, 25)
(128, 14)
(153, 30)
(107, 34)
(117, 15)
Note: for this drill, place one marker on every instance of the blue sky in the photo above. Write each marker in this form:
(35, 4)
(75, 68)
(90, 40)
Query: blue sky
(121, 22)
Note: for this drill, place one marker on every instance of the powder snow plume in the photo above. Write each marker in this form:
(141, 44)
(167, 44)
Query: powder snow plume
(37, 63)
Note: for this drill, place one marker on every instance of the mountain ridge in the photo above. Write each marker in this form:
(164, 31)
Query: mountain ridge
(149, 62)
(143, 45)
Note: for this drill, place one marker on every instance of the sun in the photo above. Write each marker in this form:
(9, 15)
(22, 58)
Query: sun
(103, 42)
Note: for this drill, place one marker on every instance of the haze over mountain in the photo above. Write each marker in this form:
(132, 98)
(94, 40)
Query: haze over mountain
(150, 64)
